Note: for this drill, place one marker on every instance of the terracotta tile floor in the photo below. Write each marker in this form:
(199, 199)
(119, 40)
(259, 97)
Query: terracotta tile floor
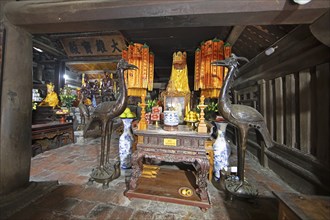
(71, 166)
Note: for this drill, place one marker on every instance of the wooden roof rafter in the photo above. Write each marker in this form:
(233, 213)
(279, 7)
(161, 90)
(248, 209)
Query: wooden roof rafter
(63, 16)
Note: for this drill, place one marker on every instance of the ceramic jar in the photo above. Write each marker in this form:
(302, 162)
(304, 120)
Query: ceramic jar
(125, 144)
(171, 118)
(221, 149)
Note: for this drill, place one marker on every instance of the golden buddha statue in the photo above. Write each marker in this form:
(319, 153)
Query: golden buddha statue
(179, 76)
(178, 86)
(51, 98)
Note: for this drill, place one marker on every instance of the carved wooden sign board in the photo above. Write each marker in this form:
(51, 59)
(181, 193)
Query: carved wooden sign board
(103, 45)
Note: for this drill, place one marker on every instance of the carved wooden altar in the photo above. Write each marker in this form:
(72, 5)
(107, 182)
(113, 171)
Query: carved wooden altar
(52, 130)
(183, 145)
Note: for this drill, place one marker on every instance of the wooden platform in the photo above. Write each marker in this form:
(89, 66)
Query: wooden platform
(299, 206)
(166, 186)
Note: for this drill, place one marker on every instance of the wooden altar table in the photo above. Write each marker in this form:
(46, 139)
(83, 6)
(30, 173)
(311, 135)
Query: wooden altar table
(52, 130)
(184, 146)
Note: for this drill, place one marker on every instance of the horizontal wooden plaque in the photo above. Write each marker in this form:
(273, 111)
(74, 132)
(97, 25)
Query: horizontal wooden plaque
(170, 141)
(104, 45)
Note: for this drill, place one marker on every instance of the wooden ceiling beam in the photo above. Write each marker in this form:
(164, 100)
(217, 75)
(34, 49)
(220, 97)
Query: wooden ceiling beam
(292, 49)
(48, 48)
(82, 16)
(235, 34)
(319, 30)
(94, 59)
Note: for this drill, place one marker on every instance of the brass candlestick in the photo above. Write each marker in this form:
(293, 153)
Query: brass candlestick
(157, 123)
(202, 126)
(143, 123)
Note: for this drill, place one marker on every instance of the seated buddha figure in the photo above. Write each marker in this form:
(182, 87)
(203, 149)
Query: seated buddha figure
(51, 98)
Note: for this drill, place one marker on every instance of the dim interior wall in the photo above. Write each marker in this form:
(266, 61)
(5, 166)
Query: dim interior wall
(16, 105)
(295, 103)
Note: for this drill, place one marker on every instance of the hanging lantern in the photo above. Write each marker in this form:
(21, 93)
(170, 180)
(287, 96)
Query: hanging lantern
(140, 80)
(209, 78)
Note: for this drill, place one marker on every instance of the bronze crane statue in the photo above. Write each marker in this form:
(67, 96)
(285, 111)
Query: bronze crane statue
(104, 113)
(243, 117)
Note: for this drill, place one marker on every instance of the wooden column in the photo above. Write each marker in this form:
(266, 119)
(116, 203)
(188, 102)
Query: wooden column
(263, 111)
(279, 110)
(263, 98)
(290, 111)
(305, 110)
(270, 105)
(37, 75)
(16, 110)
(322, 113)
(59, 76)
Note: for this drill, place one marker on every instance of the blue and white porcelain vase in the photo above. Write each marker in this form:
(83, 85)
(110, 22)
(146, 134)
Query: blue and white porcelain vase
(221, 150)
(171, 118)
(125, 144)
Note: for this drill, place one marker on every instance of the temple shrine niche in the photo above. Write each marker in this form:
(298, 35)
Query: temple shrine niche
(177, 93)
(98, 87)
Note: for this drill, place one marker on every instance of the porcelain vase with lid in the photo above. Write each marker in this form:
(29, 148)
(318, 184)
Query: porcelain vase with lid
(125, 144)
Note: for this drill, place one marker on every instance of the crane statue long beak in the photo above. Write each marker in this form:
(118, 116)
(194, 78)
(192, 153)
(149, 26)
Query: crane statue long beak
(132, 67)
(243, 59)
(219, 63)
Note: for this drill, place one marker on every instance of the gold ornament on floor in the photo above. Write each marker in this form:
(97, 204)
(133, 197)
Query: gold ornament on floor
(150, 171)
(186, 192)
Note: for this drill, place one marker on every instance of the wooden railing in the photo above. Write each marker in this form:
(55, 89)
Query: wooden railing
(296, 109)
(293, 94)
